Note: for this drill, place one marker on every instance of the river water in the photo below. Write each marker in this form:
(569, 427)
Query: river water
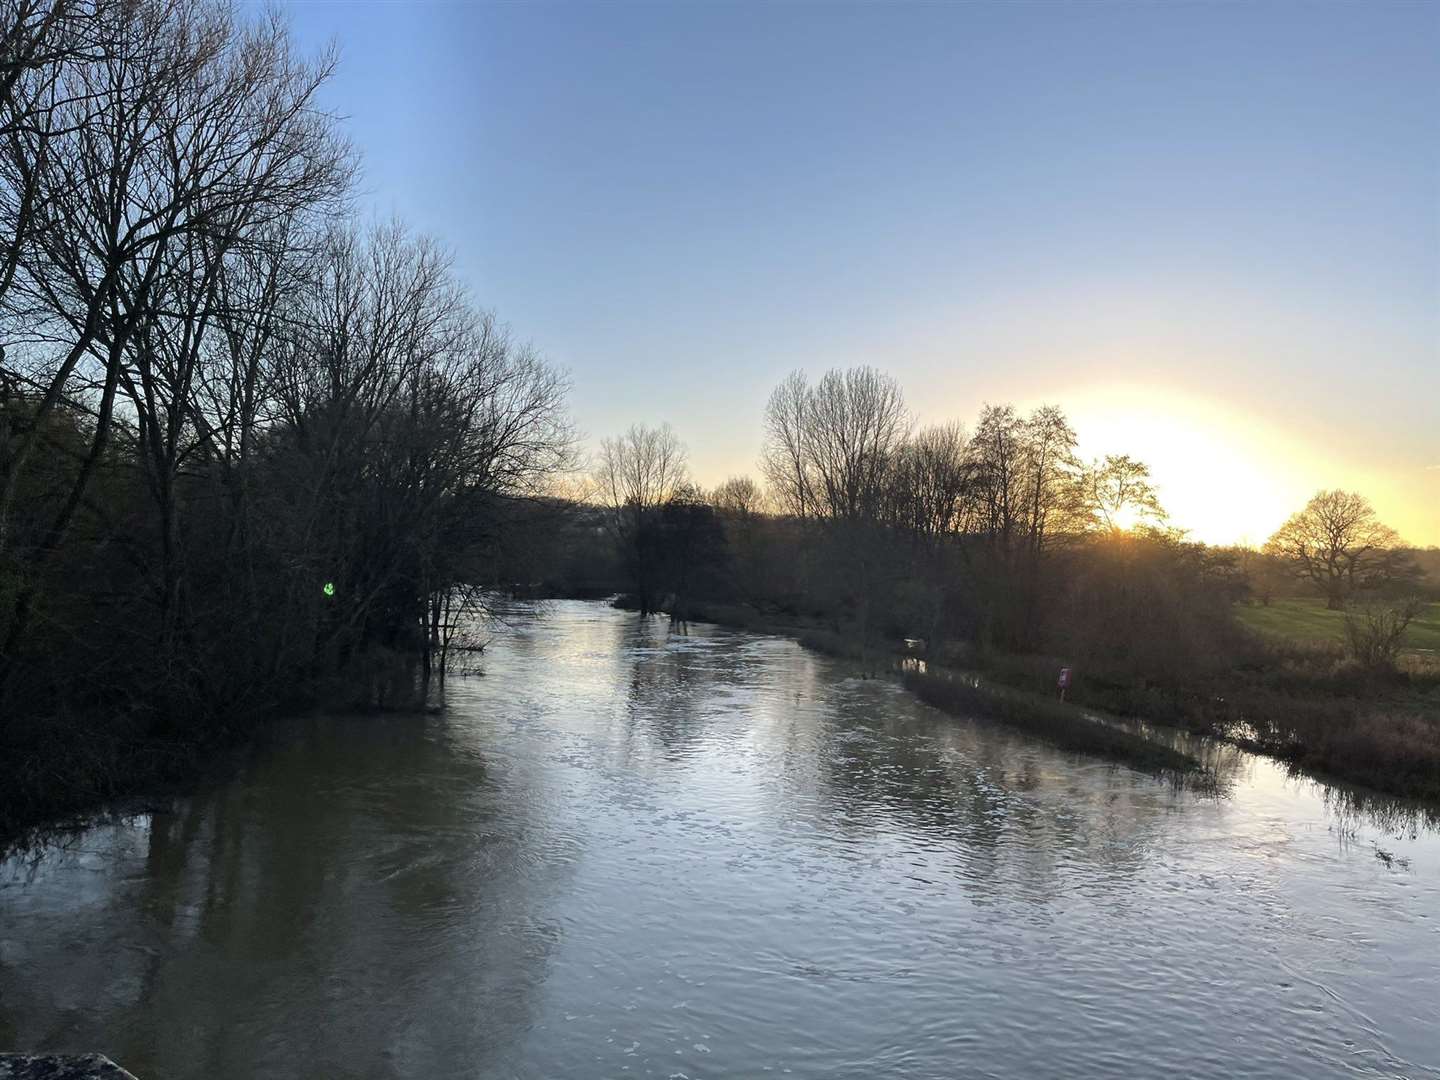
(622, 853)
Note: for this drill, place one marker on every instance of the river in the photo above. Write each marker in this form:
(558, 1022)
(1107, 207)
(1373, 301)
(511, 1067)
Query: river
(621, 853)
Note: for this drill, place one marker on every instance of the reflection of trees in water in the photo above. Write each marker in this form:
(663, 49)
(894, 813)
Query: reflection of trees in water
(1356, 807)
(1014, 811)
(673, 682)
(359, 903)
(870, 759)
(1351, 807)
(1008, 813)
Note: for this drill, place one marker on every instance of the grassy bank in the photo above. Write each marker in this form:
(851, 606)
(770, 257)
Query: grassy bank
(1299, 702)
(1306, 620)
(1393, 748)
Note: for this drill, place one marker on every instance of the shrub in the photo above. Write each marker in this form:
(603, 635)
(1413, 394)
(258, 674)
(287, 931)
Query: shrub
(1375, 632)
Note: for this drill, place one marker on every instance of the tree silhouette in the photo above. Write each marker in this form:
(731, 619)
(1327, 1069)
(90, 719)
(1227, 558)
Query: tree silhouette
(1338, 545)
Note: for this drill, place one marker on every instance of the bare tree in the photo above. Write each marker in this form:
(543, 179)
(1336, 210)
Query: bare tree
(484, 430)
(996, 455)
(784, 460)
(739, 498)
(413, 421)
(173, 144)
(930, 494)
(856, 421)
(1027, 481)
(1375, 632)
(638, 473)
(1028, 498)
(690, 545)
(1338, 545)
(641, 469)
(1120, 494)
(1053, 496)
(245, 447)
(829, 451)
(828, 446)
(741, 506)
(40, 43)
(931, 484)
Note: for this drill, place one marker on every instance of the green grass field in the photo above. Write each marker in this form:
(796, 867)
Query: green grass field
(1310, 620)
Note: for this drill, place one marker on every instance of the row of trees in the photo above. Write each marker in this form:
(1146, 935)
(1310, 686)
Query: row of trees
(1000, 535)
(862, 508)
(245, 443)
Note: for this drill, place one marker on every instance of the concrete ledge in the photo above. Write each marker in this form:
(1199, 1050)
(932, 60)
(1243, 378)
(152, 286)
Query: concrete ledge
(60, 1067)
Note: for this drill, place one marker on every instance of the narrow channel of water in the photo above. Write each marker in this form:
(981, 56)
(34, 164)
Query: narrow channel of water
(624, 854)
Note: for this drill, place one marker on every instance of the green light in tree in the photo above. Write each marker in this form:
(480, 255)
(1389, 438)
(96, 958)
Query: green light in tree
(329, 588)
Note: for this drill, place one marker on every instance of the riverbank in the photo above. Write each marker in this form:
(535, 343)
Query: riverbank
(1305, 709)
(1301, 705)
(1063, 725)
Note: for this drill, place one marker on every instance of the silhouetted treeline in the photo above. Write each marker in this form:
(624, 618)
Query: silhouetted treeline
(1000, 538)
(249, 450)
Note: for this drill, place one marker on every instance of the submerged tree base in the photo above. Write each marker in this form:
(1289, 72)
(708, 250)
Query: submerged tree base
(69, 767)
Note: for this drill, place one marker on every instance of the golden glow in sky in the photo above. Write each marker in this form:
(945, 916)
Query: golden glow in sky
(1226, 474)
(1230, 476)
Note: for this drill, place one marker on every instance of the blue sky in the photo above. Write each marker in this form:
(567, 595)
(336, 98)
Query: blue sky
(1210, 231)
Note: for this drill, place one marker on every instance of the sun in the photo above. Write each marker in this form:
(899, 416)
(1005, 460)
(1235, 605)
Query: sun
(1127, 519)
(1221, 476)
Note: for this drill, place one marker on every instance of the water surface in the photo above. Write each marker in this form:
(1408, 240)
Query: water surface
(622, 853)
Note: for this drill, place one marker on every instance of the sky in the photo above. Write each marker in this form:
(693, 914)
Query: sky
(1209, 232)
